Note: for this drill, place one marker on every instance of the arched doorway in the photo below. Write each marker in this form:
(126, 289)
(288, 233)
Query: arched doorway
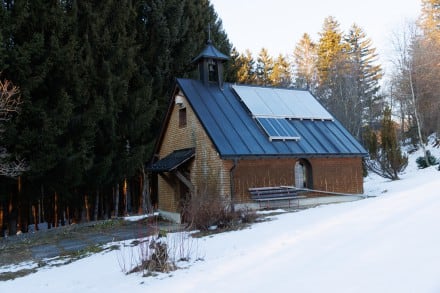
(303, 174)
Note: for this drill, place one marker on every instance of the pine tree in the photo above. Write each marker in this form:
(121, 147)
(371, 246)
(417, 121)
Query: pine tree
(10, 103)
(348, 76)
(110, 54)
(429, 20)
(366, 74)
(176, 31)
(3, 35)
(329, 50)
(246, 68)
(39, 60)
(264, 68)
(305, 58)
(281, 74)
(87, 71)
(334, 78)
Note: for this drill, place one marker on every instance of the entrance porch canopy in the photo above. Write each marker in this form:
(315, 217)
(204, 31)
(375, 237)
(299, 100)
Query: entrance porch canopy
(172, 161)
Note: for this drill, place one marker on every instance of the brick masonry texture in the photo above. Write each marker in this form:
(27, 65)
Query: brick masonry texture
(208, 173)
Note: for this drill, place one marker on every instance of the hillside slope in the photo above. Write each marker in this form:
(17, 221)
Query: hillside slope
(389, 243)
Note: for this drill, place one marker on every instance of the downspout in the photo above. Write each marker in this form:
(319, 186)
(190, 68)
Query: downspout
(231, 178)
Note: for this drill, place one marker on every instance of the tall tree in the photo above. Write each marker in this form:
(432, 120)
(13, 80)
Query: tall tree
(281, 73)
(40, 62)
(305, 61)
(427, 65)
(415, 79)
(246, 68)
(87, 71)
(334, 78)
(349, 76)
(9, 106)
(366, 73)
(264, 68)
(329, 49)
(176, 31)
(429, 20)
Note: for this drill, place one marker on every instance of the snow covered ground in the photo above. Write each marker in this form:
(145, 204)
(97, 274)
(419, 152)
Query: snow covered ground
(390, 243)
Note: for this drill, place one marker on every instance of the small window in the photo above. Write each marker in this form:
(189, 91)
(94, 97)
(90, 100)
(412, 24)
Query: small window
(182, 117)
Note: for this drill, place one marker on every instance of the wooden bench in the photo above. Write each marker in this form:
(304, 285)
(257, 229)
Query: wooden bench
(281, 193)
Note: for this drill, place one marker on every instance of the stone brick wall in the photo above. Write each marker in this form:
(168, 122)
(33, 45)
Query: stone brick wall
(208, 173)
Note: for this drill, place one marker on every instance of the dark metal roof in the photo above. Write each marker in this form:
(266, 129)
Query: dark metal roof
(211, 52)
(172, 161)
(235, 133)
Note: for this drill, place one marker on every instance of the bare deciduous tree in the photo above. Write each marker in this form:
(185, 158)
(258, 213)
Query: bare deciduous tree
(415, 83)
(10, 102)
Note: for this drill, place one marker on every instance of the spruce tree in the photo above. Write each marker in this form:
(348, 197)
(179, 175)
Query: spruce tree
(429, 20)
(39, 61)
(95, 78)
(281, 75)
(367, 74)
(305, 58)
(329, 49)
(176, 32)
(246, 68)
(264, 68)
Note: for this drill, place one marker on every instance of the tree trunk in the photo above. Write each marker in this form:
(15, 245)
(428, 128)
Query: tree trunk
(141, 207)
(416, 114)
(1, 220)
(145, 195)
(125, 197)
(55, 210)
(95, 214)
(87, 207)
(39, 211)
(12, 218)
(35, 216)
(68, 215)
(117, 200)
(43, 212)
(129, 201)
(19, 206)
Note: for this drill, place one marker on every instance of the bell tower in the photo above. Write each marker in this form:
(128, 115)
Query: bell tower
(210, 63)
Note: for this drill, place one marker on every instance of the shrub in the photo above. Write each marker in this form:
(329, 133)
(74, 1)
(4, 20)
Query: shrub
(421, 161)
(205, 212)
(153, 256)
(389, 160)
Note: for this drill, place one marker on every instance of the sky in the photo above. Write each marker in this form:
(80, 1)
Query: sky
(387, 243)
(278, 25)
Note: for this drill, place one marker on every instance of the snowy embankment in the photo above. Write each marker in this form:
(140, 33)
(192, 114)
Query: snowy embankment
(390, 243)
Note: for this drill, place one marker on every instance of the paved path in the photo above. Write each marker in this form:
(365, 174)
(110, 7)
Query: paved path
(70, 239)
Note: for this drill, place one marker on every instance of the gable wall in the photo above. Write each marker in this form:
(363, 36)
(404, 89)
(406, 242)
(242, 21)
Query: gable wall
(329, 174)
(208, 173)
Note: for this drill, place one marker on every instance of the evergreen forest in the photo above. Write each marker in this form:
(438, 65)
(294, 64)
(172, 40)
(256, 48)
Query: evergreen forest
(85, 85)
(94, 79)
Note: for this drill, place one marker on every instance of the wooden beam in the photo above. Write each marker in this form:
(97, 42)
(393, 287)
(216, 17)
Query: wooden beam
(184, 180)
